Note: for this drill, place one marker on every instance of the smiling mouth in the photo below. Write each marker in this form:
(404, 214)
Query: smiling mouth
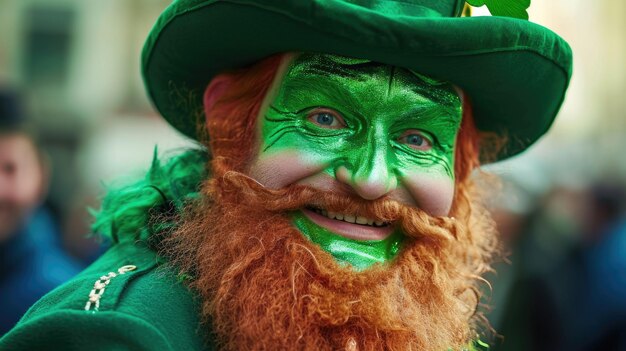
(349, 225)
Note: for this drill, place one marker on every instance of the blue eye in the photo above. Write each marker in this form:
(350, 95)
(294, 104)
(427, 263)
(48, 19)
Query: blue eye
(416, 140)
(326, 118)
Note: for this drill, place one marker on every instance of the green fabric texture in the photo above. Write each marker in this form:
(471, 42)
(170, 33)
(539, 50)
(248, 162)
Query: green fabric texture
(515, 72)
(144, 309)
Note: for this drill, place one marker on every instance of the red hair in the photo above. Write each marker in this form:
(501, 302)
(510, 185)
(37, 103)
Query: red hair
(467, 150)
(231, 116)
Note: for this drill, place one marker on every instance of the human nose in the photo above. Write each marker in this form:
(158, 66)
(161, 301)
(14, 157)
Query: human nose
(369, 172)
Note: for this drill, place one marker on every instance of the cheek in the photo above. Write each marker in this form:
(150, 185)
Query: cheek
(22, 187)
(28, 185)
(432, 193)
(283, 168)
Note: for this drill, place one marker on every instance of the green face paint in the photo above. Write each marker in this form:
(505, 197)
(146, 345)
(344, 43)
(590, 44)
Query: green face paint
(359, 253)
(382, 130)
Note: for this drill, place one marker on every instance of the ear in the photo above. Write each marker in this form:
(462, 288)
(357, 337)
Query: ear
(216, 89)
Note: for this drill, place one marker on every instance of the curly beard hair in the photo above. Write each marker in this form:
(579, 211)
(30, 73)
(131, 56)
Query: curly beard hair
(264, 286)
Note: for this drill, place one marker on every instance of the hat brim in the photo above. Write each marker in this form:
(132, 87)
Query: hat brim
(515, 72)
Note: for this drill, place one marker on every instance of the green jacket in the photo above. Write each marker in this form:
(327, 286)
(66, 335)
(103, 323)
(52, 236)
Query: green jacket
(140, 308)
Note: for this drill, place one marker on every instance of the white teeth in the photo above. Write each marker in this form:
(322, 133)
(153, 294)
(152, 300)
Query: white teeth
(361, 220)
(350, 218)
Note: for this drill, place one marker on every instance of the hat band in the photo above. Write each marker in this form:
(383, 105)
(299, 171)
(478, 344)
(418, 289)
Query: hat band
(404, 8)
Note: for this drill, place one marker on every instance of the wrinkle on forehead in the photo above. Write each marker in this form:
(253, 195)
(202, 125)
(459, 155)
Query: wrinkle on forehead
(392, 72)
(329, 66)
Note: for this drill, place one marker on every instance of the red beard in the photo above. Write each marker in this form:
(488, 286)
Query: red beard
(264, 286)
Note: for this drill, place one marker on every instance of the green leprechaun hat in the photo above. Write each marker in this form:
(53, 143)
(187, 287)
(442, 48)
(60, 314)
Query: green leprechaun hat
(515, 72)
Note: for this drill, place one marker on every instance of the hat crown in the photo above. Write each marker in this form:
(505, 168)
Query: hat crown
(413, 8)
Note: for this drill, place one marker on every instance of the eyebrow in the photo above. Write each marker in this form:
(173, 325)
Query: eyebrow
(325, 65)
(429, 112)
(426, 111)
(329, 89)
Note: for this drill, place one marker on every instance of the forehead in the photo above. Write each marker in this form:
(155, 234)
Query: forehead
(367, 77)
(15, 146)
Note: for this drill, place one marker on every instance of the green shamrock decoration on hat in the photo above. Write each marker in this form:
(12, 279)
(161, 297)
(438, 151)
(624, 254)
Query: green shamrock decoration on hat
(504, 8)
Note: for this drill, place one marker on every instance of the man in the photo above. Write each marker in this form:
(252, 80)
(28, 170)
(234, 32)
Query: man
(32, 261)
(336, 209)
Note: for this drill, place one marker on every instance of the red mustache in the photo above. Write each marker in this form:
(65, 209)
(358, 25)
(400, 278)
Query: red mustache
(411, 220)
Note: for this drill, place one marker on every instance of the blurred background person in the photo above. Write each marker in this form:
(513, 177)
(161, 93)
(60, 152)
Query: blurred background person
(562, 286)
(595, 273)
(539, 232)
(32, 261)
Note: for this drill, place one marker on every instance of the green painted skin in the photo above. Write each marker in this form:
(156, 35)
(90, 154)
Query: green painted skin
(370, 118)
(361, 254)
